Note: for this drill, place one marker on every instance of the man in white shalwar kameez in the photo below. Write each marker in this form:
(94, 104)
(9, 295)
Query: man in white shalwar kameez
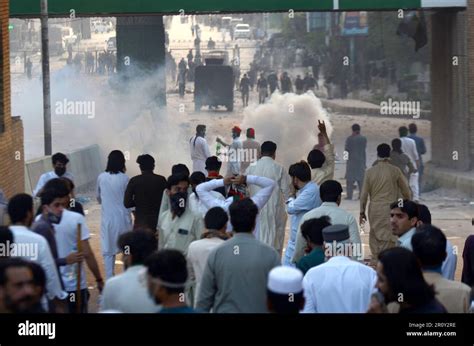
(199, 150)
(234, 152)
(272, 221)
(116, 219)
(260, 198)
(60, 162)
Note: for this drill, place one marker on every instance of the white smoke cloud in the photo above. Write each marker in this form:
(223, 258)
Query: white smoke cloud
(129, 120)
(290, 121)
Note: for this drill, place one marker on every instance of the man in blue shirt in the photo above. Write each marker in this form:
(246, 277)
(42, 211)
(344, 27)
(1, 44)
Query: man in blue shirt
(307, 198)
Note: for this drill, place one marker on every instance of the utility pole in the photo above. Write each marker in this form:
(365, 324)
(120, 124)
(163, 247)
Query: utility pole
(46, 80)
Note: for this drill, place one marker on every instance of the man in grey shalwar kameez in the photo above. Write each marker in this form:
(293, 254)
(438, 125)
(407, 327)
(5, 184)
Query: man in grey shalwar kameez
(356, 161)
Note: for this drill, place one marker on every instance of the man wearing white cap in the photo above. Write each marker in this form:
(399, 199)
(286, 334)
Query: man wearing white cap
(340, 285)
(285, 290)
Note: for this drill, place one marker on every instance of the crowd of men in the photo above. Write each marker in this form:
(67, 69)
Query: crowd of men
(199, 241)
(267, 85)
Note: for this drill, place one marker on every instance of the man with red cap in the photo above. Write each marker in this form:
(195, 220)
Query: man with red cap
(234, 152)
(251, 150)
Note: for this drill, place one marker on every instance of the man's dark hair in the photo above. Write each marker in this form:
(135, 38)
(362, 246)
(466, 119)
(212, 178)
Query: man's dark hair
(412, 128)
(39, 276)
(429, 246)
(54, 188)
(403, 131)
(59, 157)
(216, 218)
(115, 162)
(19, 206)
(316, 158)
(170, 266)
(330, 191)
(243, 214)
(301, 171)
(197, 178)
(6, 239)
(404, 276)
(312, 229)
(397, 145)
(200, 128)
(139, 243)
(268, 148)
(406, 206)
(281, 303)
(424, 214)
(175, 179)
(146, 162)
(69, 182)
(356, 128)
(213, 164)
(180, 168)
(383, 150)
(12, 262)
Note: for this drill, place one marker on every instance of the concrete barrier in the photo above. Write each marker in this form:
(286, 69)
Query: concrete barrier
(370, 111)
(435, 177)
(85, 164)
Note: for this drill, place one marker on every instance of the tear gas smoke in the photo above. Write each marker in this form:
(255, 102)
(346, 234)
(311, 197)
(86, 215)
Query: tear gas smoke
(290, 121)
(128, 120)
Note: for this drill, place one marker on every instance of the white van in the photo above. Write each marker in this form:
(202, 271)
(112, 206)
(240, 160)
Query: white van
(226, 21)
(242, 31)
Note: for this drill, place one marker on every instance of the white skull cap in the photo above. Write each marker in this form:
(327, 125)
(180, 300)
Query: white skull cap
(285, 280)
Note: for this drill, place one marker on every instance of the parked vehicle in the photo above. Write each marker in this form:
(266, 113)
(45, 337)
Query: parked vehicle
(242, 31)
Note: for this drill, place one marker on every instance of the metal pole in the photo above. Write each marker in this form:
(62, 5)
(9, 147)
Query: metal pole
(46, 82)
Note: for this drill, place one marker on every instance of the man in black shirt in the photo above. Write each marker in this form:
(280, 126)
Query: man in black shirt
(310, 83)
(262, 86)
(144, 192)
(285, 82)
(245, 90)
(272, 82)
(299, 84)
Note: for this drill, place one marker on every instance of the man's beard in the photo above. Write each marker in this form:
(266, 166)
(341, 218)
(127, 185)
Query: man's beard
(25, 305)
(178, 203)
(60, 171)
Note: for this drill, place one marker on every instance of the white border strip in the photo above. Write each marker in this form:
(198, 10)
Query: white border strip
(443, 3)
(336, 5)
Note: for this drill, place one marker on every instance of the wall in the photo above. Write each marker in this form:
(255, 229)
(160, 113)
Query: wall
(85, 164)
(451, 116)
(11, 128)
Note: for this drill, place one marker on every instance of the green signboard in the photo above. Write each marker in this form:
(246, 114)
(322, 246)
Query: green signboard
(25, 8)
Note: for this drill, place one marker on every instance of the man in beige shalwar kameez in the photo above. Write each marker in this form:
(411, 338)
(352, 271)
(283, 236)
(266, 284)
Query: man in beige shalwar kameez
(384, 183)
